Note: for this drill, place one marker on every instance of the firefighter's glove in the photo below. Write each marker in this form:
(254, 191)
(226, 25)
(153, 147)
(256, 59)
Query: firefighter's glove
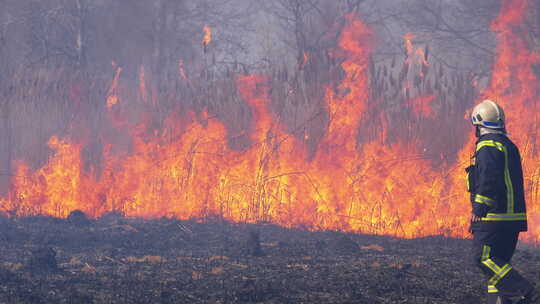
(480, 210)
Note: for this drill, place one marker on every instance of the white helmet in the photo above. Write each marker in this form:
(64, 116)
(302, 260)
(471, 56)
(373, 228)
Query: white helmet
(488, 114)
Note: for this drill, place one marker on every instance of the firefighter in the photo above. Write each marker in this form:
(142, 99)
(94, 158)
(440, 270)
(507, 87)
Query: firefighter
(495, 181)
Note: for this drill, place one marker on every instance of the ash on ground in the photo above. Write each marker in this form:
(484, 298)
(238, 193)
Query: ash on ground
(127, 260)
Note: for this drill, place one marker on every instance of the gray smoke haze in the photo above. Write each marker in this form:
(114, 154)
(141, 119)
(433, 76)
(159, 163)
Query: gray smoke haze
(58, 57)
(158, 33)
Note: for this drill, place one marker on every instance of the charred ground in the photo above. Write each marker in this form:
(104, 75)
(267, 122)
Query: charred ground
(123, 260)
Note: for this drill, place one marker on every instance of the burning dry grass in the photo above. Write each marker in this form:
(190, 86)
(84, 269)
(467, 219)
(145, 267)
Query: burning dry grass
(254, 148)
(343, 144)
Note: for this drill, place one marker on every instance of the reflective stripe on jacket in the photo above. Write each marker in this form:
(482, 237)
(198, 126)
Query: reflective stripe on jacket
(495, 181)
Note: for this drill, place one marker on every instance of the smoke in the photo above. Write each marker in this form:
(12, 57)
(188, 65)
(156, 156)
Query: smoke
(250, 110)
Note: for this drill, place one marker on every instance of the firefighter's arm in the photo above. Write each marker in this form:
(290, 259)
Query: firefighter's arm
(489, 174)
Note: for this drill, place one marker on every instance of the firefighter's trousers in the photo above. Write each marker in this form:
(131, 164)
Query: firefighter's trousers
(492, 252)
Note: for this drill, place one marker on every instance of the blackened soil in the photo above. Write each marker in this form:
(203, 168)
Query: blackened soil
(125, 260)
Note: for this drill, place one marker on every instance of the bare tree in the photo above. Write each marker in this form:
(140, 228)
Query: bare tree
(457, 31)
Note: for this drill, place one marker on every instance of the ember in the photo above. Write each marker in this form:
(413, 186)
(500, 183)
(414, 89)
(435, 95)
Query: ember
(207, 37)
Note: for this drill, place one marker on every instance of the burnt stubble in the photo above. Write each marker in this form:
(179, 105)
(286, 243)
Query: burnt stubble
(133, 260)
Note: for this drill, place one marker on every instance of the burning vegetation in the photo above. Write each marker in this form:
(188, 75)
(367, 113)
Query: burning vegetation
(370, 167)
(344, 141)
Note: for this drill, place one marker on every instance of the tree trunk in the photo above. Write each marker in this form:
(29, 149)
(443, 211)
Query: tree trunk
(8, 145)
(159, 42)
(81, 34)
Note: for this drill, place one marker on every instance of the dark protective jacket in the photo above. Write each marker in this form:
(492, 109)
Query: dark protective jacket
(495, 181)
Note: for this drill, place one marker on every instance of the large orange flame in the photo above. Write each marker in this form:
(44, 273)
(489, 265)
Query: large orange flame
(188, 170)
(514, 85)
